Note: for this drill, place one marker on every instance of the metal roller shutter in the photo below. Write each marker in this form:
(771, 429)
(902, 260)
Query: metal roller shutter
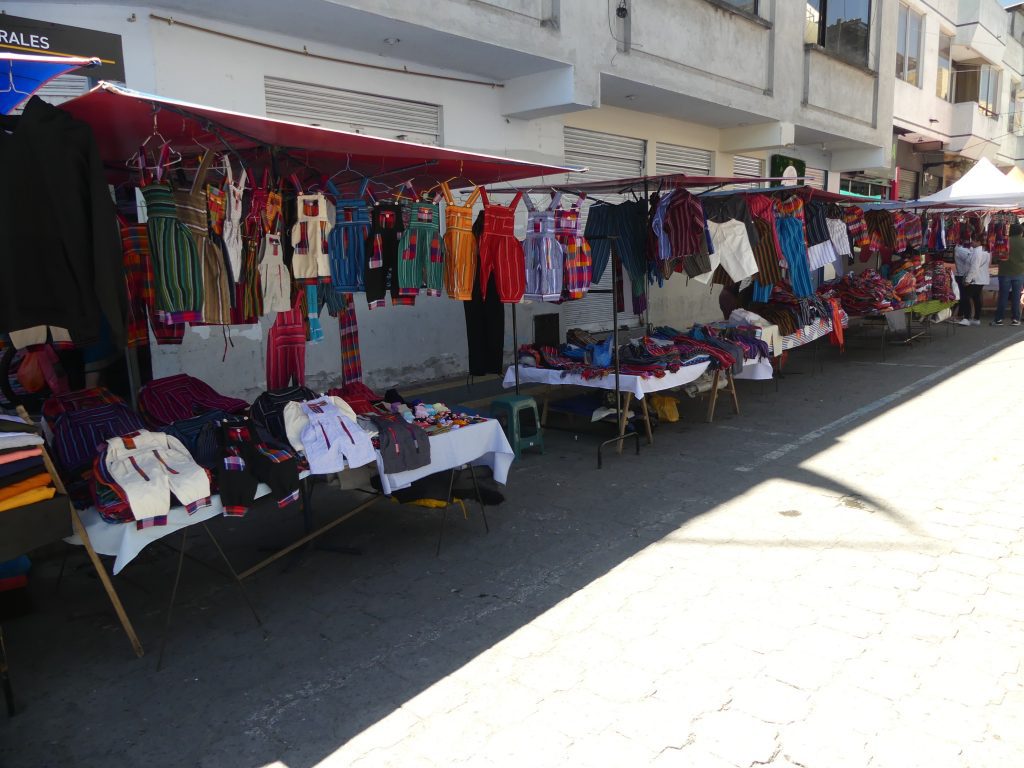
(673, 158)
(608, 157)
(60, 89)
(816, 177)
(353, 111)
(907, 184)
(748, 167)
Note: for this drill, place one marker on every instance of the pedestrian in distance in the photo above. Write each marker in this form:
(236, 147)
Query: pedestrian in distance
(975, 278)
(1011, 278)
(962, 265)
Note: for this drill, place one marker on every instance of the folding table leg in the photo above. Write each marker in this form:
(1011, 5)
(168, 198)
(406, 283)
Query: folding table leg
(101, 571)
(624, 418)
(647, 422)
(735, 395)
(713, 398)
(479, 498)
(444, 511)
(234, 574)
(174, 596)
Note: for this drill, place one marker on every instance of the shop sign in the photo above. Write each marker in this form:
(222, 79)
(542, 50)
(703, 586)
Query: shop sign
(46, 38)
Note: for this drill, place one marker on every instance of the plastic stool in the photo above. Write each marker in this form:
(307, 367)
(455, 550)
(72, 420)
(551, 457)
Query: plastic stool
(519, 417)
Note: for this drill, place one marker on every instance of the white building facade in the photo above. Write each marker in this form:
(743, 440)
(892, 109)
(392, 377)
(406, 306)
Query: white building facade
(959, 67)
(625, 87)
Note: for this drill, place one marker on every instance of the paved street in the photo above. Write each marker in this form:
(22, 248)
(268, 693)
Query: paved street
(834, 578)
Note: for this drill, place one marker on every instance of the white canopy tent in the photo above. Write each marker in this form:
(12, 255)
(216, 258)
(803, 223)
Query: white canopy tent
(983, 185)
(1016, 174)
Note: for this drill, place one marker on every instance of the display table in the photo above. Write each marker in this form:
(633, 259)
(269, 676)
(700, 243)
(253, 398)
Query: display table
(124, 541)
(756, 370)
(629, 387)
(483, 444)
(636, 386)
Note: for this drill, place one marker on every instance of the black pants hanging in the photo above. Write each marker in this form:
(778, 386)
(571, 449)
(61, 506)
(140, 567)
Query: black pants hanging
(485, 331)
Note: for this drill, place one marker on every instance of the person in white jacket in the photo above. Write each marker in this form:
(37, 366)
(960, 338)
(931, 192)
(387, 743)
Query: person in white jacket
(975, 278)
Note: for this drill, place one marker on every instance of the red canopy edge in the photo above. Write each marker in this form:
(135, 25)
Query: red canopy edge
(122, 119)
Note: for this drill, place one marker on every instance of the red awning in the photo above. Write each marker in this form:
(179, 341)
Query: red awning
(123, 119)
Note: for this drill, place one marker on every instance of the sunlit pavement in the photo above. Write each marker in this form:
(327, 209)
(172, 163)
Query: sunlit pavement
(834, 578)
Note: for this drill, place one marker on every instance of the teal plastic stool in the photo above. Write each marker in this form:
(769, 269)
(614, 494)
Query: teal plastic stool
(519, 417)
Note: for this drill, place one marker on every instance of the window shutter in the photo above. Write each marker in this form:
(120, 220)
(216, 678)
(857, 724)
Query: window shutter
(908, 184)
(673, 158)
(816, 177)
(353, 111)
(59, 90)
(748, 167)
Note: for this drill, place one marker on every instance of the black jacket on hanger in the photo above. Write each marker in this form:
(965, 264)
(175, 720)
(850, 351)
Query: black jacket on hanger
(60, 253)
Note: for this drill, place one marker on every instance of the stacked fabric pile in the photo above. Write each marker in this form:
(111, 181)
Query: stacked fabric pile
(644, 357)
(865, 294)
(702, 341)
(23, 476)
(941, 282)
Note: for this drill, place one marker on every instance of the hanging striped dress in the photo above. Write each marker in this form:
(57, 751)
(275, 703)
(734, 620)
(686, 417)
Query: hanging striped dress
(460, 245)
(421, 251)
(545, 260)
(177, 267)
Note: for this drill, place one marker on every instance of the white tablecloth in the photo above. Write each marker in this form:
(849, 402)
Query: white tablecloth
(482, 444)
(638, 385)
(124, 541)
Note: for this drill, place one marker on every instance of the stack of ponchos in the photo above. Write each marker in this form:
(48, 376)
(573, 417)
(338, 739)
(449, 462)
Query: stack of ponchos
(644, 357)
(865, 294)
(702, 340)
(23, 476)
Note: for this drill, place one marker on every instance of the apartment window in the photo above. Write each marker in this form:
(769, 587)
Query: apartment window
(1017, 26)
(908, 45)
(750, 6)
(840, 26)
(978, 83)
(944, 82)
(1015, 123)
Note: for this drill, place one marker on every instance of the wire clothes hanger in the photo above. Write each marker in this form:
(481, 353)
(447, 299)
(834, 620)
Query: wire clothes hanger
(168, 156)
(11, 86)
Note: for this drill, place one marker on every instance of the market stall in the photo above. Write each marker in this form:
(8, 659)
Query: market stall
(227, 253)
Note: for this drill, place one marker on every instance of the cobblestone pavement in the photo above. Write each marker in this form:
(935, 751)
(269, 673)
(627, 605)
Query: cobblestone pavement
(833, 579)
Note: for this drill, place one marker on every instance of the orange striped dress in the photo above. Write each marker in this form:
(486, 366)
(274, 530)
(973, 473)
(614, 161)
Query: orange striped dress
(460, 244)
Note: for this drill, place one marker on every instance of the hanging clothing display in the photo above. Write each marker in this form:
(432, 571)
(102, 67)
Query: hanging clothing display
(216, 214)
(421, 251)
(232, 236)
(69, 275)
(191, 206)
(597, 233)
(348, 332)
(791, 235)
(249, 296)
(820, 250)
(543, 254)
(309, 237)
(578, 264)
(485, 323)
(381, 270)
(274, 278)
(500, 253)
(460, 245)
(732, 247)
(139, 280)
(177, 266)
(286, 348)
(346, 242)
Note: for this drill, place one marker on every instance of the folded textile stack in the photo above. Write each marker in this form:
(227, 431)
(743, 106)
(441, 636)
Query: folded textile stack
(23, 476)
(941, 282)
(865, 294)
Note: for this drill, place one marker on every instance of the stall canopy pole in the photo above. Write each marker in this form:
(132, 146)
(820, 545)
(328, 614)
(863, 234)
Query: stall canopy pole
(515, 346)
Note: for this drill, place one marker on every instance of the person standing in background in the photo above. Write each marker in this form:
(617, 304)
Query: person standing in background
(974, 280)
(962, 265)
(1011, 277)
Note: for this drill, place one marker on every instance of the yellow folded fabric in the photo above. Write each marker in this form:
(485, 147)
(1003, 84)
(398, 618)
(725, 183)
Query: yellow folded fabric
(36, 481)
(28, 497)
